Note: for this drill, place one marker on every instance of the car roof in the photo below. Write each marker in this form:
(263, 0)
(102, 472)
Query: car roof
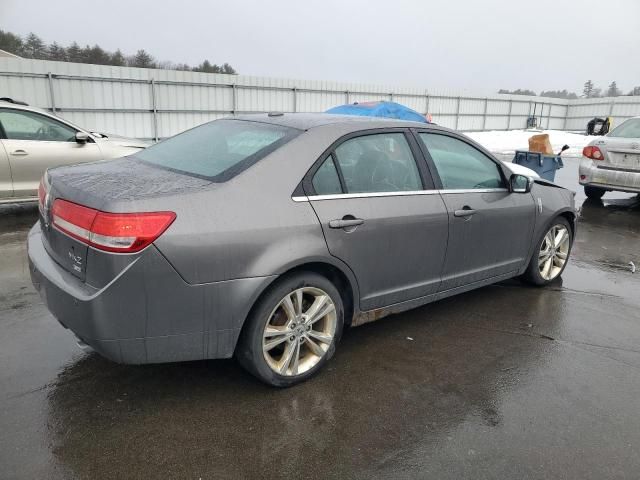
(19, 106)
(306, 121)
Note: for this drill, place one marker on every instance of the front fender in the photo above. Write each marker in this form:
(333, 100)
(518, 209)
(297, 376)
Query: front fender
(551, 201)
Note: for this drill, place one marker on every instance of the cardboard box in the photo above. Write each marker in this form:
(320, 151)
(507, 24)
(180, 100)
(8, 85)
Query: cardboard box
(541, 144)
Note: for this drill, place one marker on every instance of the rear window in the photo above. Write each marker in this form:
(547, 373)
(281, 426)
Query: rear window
(628, 129)
(218, 150)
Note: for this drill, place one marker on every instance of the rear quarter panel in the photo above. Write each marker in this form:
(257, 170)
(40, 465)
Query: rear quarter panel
(249, 226)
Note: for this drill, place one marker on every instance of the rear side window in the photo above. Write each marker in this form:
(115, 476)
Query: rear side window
(461, 166)
(378, 163)
(326, 180)
(218, 150)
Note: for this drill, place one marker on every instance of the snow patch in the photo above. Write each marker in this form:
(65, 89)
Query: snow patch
(507, 142)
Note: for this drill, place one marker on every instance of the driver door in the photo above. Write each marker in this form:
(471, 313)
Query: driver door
(34, 142)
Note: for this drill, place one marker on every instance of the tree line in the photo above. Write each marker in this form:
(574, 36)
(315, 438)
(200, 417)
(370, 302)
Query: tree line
(589, 91)
(32, 46)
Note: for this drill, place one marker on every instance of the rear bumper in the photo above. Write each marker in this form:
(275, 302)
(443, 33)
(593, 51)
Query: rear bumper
(623, 181)
(148, 313)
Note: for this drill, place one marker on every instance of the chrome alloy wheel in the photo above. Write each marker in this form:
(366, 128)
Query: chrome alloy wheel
(299, 331)
(554, 252)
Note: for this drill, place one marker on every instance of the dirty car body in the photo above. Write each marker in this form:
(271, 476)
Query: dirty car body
(389, 230)
(612, 162)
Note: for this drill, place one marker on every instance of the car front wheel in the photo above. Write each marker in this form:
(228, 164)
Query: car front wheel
(292, 330)
(551, 255)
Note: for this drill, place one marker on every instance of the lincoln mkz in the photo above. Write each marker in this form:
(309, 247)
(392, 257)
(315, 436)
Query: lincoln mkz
(264, 236)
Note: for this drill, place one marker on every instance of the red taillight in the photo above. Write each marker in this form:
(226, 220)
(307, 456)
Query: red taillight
(593, 153)
(112, 232)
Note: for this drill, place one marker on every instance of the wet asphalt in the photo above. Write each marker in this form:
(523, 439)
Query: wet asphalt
(508, 381)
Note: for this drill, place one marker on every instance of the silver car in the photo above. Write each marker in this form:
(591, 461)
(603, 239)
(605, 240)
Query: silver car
(612, 162)
(32, 140)
(264, 236)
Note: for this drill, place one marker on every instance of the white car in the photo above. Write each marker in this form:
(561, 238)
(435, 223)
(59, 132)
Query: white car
(32, 140)
(612, 162)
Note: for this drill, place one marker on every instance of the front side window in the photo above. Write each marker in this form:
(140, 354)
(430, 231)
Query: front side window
(24, 125)
(461, 166)
(218, 150)
(378, 163)
(628, 129)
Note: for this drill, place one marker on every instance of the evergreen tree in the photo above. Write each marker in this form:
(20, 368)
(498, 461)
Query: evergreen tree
(228, 69)
(613, 90)
(96, 55)
(502, 90)
(142, 60)
(74, 53)
(587, 90)
(118, 59)
(56, 52)
(34, 47)
(207, 67)
(558, 94)
(11, 43)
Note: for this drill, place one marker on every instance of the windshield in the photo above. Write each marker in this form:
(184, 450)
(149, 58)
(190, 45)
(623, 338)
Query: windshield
(218, 150)
(628, 129)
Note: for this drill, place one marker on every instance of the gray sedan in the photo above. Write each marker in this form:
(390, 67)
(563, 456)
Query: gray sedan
(264, 236)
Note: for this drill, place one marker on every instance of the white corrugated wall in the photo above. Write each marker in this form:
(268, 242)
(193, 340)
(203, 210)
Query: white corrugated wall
(148, 103)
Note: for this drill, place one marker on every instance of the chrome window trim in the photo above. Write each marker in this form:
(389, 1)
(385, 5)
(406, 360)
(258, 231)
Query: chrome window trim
(338, 196)
(473, 190)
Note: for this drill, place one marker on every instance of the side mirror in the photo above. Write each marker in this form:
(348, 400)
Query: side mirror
(520, 183)
(82, 138)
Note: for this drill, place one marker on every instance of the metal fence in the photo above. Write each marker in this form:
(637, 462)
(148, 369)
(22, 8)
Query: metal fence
(154, 104)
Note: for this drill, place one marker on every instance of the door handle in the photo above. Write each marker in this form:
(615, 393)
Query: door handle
(19, 153)
(346, 222)
(465, 212)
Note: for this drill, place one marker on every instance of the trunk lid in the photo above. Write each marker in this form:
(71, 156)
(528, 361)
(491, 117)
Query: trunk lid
(118, 186)
(621, 153)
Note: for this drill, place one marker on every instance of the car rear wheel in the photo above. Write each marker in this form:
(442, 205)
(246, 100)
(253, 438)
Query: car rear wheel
(293, 330)
(595, 193)
(551, 255)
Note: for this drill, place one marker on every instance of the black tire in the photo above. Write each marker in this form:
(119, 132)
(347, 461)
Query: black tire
(249, 350)
(594, 193)
(532, 273)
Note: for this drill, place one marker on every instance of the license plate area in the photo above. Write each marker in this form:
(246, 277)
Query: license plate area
(626, 160)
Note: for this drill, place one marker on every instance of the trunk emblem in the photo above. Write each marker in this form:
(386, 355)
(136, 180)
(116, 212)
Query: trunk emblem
(77, 260)
(635, 145)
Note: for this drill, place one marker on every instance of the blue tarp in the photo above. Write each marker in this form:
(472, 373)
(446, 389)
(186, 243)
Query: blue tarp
(379, 109)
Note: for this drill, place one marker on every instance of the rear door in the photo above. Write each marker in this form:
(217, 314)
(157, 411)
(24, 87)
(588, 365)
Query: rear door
(489, 228)
(381, 215)
(35, 142)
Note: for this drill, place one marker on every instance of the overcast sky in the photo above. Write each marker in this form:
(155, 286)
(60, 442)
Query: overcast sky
(473, 45)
